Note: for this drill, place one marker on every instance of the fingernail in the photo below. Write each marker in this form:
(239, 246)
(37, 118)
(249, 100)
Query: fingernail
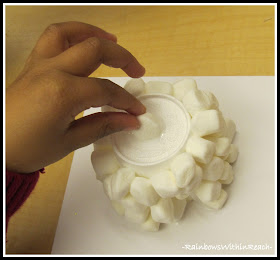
(143, 109)
(140, 71)
(133, 127)
(113, 36)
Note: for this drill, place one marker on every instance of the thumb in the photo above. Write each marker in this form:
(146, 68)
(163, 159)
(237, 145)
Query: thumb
(89, 129)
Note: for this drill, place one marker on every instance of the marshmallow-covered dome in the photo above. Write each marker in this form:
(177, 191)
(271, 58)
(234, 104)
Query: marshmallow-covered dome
(183, 152)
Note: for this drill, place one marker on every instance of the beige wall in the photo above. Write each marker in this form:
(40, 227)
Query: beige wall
(167, 40)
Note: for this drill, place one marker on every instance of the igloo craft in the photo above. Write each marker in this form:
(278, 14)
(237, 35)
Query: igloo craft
(182, 153)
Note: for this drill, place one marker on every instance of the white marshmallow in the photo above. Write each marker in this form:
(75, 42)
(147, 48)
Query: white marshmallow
(208, 190)
(163, 211)
(164, 184)
(183, 168)
(222, 146)
(134, 211)
(227, 176)
(143, 192)
(196, 100)
(227, 171)
(135, 87)
(129, 202)
(149, 129)
(193, 185)
(185, 193)
(182, 87)
(201, 149)
(135, 216)
(213, 138)
(230, 129)
(214, 103)
(179, 208)
(182, 195)
(207, 122)
(218, 203)
(117, 186)
(150, 225)
(159, 87)
(233, 154)
(107, 186)
(118, 207)
(104, 163)
(214, 169)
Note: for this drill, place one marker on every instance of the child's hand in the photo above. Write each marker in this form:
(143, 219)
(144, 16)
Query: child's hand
(54, 87)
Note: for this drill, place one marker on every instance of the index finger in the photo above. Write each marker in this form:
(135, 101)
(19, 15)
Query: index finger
(85, 57)
(60, 36)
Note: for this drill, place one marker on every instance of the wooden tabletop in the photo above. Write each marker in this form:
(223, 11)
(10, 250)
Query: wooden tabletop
(167, 40)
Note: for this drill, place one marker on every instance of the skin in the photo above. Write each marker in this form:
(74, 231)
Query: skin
(54, 87)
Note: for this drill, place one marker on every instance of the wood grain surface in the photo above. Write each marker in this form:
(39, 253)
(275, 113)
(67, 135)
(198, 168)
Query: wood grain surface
(167, 40)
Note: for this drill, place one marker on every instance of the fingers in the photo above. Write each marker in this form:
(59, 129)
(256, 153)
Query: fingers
(60, 36)
(87, 130)
(93, 92)
(80, 48)
(85, 57)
